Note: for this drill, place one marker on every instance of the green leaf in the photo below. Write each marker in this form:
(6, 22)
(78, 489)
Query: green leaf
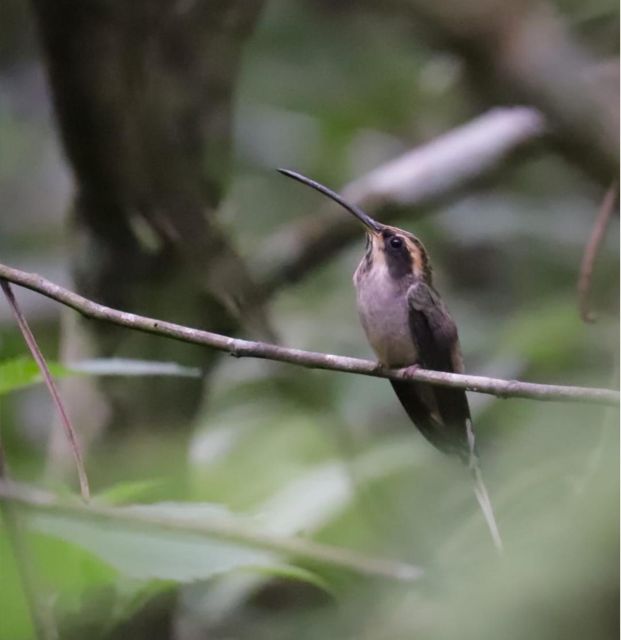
(15, 621)
(149, 554)
(301, 574)
(22, 371)
(183, 541)
(548, 337)
(126, 492)
(145, 554)
(18, 373)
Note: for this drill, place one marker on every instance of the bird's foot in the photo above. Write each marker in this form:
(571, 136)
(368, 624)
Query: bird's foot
(413, 368)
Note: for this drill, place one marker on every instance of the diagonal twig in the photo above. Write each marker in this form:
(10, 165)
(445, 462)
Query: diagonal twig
(247, 348)
(591, 252)
(49, 382)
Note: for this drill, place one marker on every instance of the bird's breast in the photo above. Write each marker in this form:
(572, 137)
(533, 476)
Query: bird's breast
(384, 314)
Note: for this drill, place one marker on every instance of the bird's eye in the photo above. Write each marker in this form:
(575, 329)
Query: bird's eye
(396, 242)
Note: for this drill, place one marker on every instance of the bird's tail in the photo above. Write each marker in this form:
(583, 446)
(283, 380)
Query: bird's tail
(485, 503)
(480, 490)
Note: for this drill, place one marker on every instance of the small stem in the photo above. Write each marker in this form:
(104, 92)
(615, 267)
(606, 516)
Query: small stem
(49, 382)
(591, 252)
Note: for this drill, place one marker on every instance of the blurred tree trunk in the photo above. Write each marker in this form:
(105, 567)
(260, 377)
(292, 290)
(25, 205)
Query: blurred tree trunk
(143, 95)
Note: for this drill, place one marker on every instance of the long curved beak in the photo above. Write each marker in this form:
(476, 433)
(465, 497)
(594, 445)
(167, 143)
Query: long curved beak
(367, 221)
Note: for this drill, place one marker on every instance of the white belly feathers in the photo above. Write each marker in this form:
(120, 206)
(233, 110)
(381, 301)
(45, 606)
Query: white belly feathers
(384, 313)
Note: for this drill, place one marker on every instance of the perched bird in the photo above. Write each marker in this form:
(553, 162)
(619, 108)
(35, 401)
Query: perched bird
(407, 324)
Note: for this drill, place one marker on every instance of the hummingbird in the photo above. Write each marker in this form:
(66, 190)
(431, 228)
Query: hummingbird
(408, 325)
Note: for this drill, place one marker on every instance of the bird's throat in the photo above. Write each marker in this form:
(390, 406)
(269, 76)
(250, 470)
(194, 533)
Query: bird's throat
(384, 313)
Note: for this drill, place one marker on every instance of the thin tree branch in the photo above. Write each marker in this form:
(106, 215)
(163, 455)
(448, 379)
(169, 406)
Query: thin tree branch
(31, 342)
(591, 252)
(246, 348)
(17, 494)
(419, 178)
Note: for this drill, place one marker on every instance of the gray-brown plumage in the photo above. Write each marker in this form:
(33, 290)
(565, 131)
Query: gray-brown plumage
(407, 324)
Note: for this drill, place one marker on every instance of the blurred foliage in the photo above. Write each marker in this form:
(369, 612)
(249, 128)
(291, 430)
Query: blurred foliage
(333, 92)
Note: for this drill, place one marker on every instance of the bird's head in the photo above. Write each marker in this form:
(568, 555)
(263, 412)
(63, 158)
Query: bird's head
(397, 251)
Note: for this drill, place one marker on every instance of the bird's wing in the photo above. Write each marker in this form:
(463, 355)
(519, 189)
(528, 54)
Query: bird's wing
(437, 342)
(441, 414)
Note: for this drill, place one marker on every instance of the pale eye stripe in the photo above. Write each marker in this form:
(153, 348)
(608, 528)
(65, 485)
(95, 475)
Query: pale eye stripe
(418, 254)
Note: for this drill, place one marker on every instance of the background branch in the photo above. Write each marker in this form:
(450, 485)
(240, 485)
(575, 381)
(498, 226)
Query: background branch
(246, 348)
(591, 252)
(522, 52)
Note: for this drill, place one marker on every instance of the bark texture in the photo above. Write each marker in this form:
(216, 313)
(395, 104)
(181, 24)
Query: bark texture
(143, 93)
